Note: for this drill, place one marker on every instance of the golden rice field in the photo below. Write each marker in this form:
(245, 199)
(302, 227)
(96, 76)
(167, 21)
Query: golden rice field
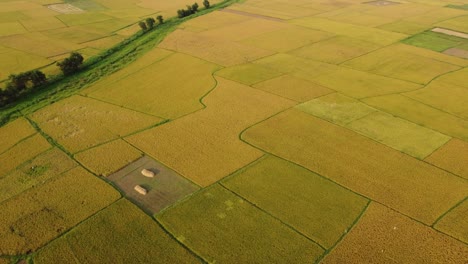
(286, 131)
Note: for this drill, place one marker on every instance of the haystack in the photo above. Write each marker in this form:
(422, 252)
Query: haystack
(140, 190)
(147, 173)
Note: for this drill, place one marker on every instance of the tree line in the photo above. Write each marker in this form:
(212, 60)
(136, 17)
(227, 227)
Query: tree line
(191, 9)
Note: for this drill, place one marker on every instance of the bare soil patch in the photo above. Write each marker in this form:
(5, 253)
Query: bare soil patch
(164, 189)
(65, 8)
(457, 52)
(381, 3)
(450, 32)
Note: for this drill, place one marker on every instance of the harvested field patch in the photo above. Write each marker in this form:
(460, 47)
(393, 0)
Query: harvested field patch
(359, 84)
(381, 3)
(13, 132)
(30, 220)
(287, 39)
(455, 222)
(35, 172)
(336, 108)
(401, 65)
(222, 52)
(218, 225)
(164, 189)
(452, 157)
(385, 236)
(204, 146)
(65, 8)
(335, 50)
(461, 53)
(446, 97)
(421, 114)
(121, 232)
(248, 73)
(21, 152)
(162, 89)
(78, 123)
(450, 32)
(293, 88)
(365, 166)
(433, 41)
(404, 27)
(318, 208)
(108, 158)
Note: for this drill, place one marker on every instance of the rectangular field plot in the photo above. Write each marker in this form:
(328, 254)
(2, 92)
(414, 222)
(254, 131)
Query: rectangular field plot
(452, 157)
(404, 27)
(458, 24)
(165, 188)
(215, 19)
(335, 50)
(21, 152)
(75, 34)
(434, 41)
(446, 97)
(30, 220)
(248, 73)
(456, 78)
(34, 44)
(108, 158)
(13, 132)
(121, 232)
(455, 222)
(42, 23)
(318, 208)
(83, 18)
(293, 88)
(421, 114)
(35, 172)
(385, 236)
(218, 225)
(205, 146)
(11, 28)
(222, 52)
(401, 65)
(162, 89)
(78, 123)
(365, 166)
(15, 61)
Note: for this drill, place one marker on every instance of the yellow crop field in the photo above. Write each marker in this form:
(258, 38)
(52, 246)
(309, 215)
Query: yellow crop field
(401, 11)
(214, 20)
(42, 23)
(34, 44)
(30, 220)
(215, 223)
(13, 132)
(286, 39)
(75, 34)
(404, 27)
(359, 84)
(222, 52)
(126, 236)
(162, 89)
(248, 73)
(78, 123)
(452, 157)
(401, 65)
(293, 88)
(430, 54)
(335, 50)
(346, 15)
(22, 151)
(385, 236)
(104, 43)
(446, 97)
(459, 23)
(83, 18)
(35, 172)
(436, 15)
(455, 222)
(14, 61)
(11, 28)
(456, 78)
(316, 207)
(421, 114)
(376, 171)
(275, 9)
(204, 146)
(108, 158)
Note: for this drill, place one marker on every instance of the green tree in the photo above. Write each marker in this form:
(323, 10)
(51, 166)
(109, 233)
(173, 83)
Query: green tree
(71, 64)
(181, 13)
(143, 25)
(206, 3)
(37, 78)
(194, 8)
(160, 19)
(150, 22)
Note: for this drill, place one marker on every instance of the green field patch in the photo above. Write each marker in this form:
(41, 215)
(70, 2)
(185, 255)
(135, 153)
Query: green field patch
(434, 41)
(374, 170)
(359, 84)
(218, 225)
(462, 7)
(318, 208)
(165, 188)
(35, 172)
(455, 222)
(121, 232)
(446, 97)
(404, 27)
(401, 65)
(78, 123)
(421, 114)
(248, 73)
(287, 39)
(451, 157)
(459, 23)
(83, 18)
(30, 220)
(335, 50)
(162, 89)
(336, 108)
(13, 132)
(399, 134)
(294, 88)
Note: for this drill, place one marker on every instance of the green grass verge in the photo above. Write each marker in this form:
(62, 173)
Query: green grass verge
(97, 67)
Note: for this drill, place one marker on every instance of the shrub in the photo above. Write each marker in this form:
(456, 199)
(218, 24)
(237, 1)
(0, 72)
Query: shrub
(206, 3)
(143, 25)
(160, 19)
(150, 22)
(71, 64)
